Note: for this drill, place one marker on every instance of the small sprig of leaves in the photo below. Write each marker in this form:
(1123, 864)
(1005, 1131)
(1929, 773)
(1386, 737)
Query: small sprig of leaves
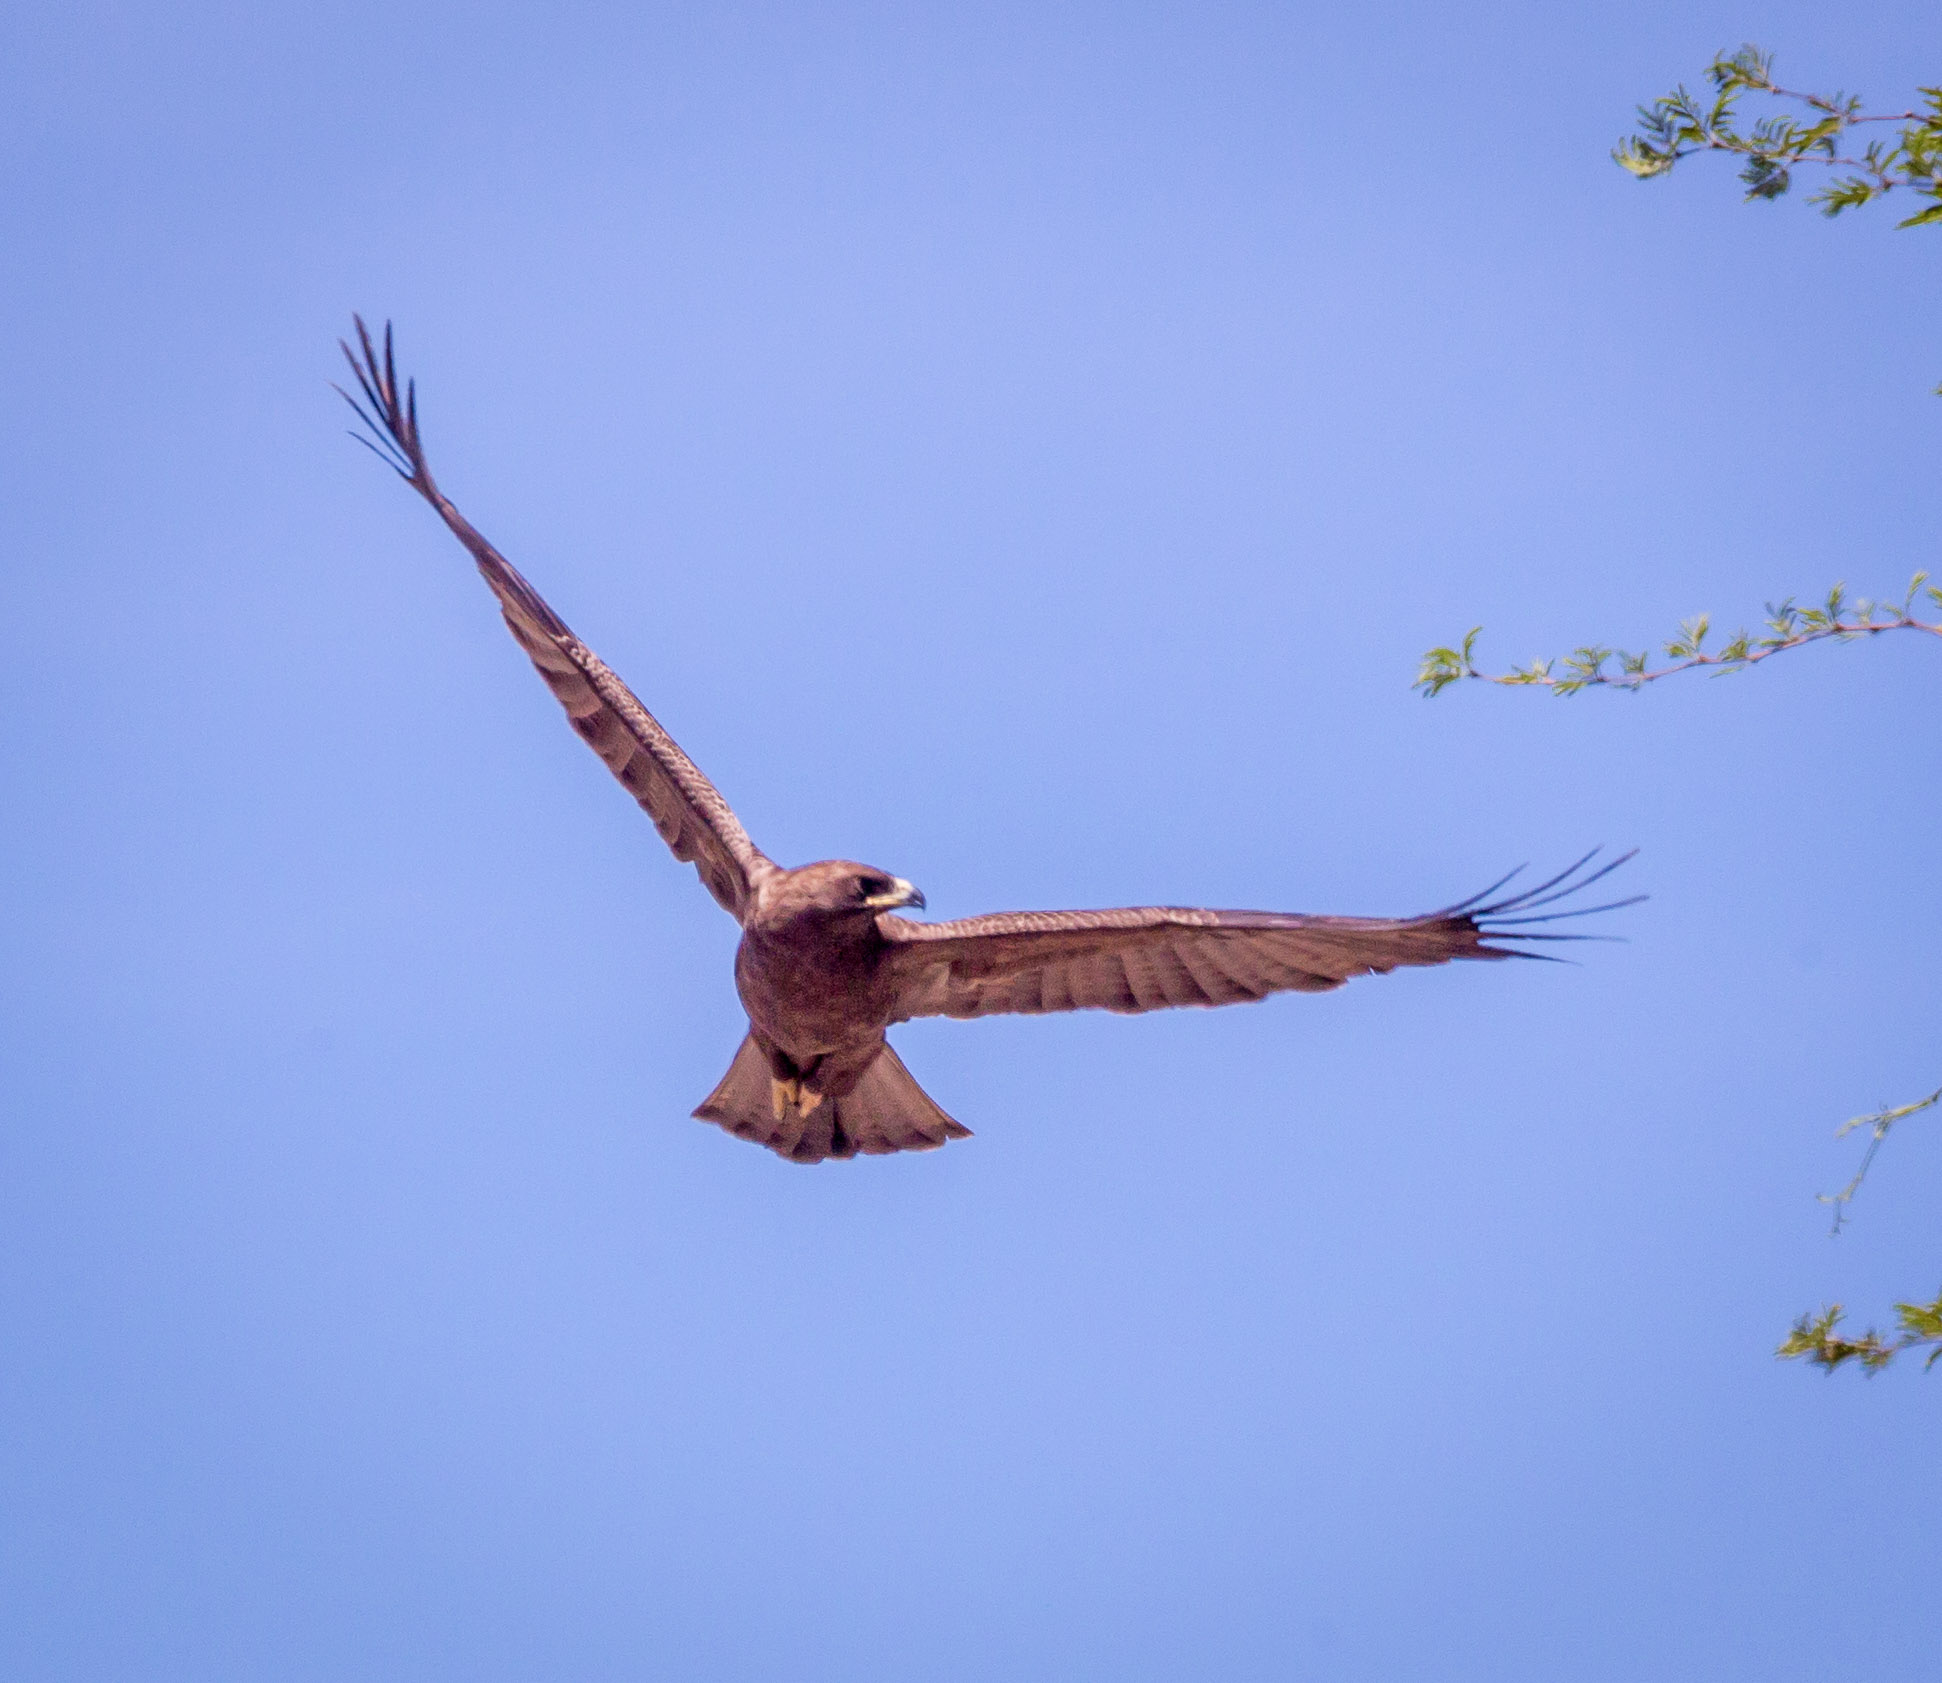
(1788, 626)
(1681, 124)
(1816, 1339)
(1880, 1122)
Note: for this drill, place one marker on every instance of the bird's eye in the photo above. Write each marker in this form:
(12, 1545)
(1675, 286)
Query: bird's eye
(868, 888)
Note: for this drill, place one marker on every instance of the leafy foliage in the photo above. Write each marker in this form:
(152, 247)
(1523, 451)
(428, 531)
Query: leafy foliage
(1670, 129)
(1821, 132)
(1787, 626)
(1816, 1338)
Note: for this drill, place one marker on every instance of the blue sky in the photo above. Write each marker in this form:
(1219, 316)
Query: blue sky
(1027, 448)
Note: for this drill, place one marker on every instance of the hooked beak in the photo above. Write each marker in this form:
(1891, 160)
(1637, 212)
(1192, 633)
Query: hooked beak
(901, 893)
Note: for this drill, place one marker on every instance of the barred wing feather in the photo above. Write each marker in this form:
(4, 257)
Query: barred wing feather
(689, 812)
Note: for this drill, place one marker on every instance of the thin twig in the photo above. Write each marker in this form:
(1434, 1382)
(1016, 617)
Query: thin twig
(1880, 1122)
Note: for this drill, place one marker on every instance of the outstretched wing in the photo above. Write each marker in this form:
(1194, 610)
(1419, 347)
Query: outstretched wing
(686, 808)
(1147, 958)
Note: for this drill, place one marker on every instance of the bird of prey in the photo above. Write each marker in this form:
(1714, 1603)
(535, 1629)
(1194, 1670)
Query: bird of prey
(825, 965)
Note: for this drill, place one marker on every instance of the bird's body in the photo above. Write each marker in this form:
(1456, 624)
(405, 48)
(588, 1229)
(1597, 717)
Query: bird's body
(811, 974)
(825, 966)
(816, 994)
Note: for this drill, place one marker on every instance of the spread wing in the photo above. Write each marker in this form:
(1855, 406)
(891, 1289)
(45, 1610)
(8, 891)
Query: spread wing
(1147, 958)
(686, 808)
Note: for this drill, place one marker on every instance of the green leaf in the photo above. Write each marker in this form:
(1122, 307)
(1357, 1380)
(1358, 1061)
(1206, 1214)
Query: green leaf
(1921, 1321)
(1641, 158)
(1441, 668)
(1849, 193)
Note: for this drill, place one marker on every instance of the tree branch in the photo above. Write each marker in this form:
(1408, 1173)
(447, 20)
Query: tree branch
(1814, 1338)
(1678, 125)
(1787, 627)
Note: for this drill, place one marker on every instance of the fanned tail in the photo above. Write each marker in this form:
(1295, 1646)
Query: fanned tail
(885, 1111)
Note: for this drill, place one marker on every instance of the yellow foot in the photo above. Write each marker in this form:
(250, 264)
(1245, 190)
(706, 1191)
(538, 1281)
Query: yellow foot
(784, 1094)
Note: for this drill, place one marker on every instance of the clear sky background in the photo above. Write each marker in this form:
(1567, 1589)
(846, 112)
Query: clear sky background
(1027, 448)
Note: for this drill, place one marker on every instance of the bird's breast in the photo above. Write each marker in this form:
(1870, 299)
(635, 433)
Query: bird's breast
(811, 991)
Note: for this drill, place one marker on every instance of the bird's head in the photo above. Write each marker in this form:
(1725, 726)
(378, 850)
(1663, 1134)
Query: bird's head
(838, 886)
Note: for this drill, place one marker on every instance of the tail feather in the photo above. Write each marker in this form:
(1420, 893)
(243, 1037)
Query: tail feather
(885, 1111)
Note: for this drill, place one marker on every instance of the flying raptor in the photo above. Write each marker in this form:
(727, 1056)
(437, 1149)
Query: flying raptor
(825, 965)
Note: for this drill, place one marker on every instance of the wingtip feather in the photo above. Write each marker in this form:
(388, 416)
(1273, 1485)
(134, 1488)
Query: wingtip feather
(1492, 924)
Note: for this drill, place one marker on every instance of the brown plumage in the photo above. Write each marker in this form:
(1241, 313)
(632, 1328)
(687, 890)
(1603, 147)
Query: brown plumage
(824, 967)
